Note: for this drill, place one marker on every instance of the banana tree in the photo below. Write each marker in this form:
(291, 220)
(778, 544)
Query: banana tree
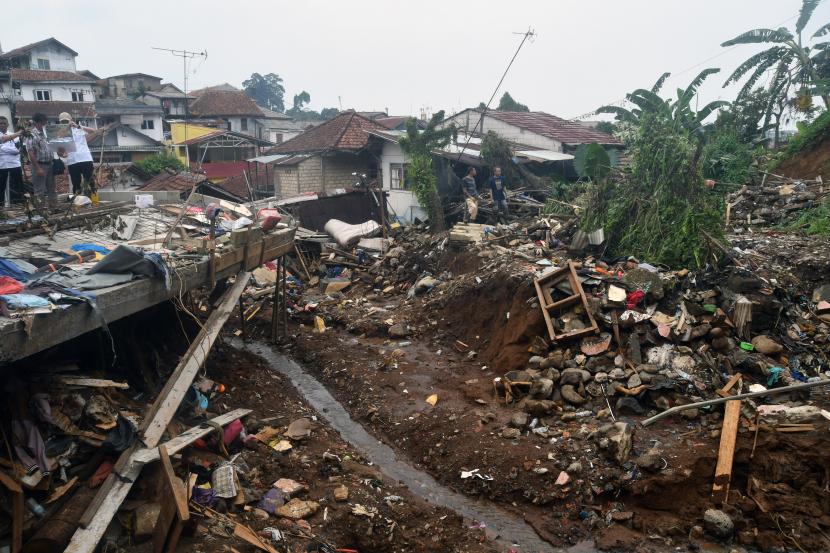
(788, 55)
(679, 110)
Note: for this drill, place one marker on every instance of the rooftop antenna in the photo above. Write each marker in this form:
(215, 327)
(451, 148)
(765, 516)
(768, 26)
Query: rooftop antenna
(185, 55)
(339, 101)
(530, 33)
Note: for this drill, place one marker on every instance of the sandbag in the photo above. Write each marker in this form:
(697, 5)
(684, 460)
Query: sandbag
(348, 235)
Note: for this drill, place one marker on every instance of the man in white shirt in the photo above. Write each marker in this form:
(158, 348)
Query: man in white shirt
(79, 162)
(11, 174)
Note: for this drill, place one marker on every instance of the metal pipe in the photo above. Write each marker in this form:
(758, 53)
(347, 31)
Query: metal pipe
(720, 400)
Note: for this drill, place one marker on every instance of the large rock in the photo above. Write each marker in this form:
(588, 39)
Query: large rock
(398, 330)
(644, 280)
(766, 345)
(570, 395)
(615, 441)
(297, 509)
(718, 524)
(574, 377)
(538, 407)
(541, 388)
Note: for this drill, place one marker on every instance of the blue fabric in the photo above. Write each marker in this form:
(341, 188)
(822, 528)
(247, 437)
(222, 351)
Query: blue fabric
(497, 188)
(8, 268)
(89, 247)
(23, 301)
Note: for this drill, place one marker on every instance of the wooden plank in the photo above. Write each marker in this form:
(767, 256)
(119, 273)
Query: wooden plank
(91, 382)
(545, 313)
(17, 510)
(726, 452)
(112, 494)
(724, 392)
(171, 480)
(148, 454)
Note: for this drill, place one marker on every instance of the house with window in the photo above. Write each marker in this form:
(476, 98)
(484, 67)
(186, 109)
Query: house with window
(227, 107)
(173, 101)
(49, 55)
(130, 85)
(539, 130)
(51, 93)
(278, 127)
(143, 118)
(121, 143)
(333, 155)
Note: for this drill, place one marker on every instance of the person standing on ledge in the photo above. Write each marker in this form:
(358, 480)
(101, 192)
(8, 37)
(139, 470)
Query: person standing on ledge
(11, 173)
(79, 162)
(40, 156)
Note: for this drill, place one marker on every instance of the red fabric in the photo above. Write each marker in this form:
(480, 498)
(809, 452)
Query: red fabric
(269, 223)
(8, 285)
(232, 432)
(633, 298)
(104, 470)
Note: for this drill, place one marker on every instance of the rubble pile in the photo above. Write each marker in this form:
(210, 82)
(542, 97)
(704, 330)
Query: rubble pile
(776, 201)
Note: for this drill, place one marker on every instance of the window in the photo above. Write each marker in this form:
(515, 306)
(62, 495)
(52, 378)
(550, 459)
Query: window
(148, 124)
(397, 172)
(43, 95)
(278, 138)
(243, 123)
(77, 96)
(42, 64)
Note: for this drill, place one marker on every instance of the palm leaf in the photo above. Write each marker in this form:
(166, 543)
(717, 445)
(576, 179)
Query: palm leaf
(823, 30)
(807, 9)
(690, 91)
(757, 36)
(646, 100)
(709, 108)
(623, 115)
(753, 61)
(783, 55)
(659, 84)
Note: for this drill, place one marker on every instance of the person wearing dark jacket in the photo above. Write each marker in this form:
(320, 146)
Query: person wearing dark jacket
(498, 192)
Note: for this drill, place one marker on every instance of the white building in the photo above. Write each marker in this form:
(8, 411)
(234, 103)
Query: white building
(146, 119)
(229, 108)
(49, 54)
(171, 99)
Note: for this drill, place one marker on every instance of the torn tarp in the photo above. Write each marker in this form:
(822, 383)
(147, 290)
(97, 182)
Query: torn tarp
(129, 260)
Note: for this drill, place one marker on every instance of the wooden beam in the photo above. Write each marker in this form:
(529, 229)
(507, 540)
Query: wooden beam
(148, 455)
(726, 452)
(17, 510)
(724, 392)
(109, 498)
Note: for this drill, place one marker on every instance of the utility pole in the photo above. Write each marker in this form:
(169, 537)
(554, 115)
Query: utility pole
(185, 55)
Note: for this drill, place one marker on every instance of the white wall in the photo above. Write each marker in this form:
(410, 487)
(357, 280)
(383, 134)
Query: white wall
(467, 120)
(59, 59)
(402, 203)
(156, 133)
(126, 138)
(61, 92)
(253, 125)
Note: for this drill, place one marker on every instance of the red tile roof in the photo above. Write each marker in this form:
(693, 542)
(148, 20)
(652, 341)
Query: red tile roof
(347, 131)
(23, 49)
(393, 122)
(78, 110)
(219, 103)
(41, 75)
(235, 185)
(169, 180)
(545, 124)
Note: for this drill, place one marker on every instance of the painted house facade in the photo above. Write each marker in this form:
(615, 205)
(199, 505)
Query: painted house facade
(231, 109)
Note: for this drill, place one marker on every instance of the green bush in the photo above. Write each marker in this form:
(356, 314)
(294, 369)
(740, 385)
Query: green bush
(727, 159)
(157, 163)
(658, 211)
(815, 220)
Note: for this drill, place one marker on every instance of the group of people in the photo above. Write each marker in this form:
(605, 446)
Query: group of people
(498, 194)
(44, 160)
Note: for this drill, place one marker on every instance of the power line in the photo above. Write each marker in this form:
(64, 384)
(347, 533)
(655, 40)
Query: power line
(185, 55)
(527, 34)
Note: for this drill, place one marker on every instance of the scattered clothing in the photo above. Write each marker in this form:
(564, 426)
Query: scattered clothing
(29, 446)
(8, 285)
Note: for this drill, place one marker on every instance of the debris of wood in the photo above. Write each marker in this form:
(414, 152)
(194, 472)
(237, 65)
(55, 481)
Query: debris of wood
(726, 451)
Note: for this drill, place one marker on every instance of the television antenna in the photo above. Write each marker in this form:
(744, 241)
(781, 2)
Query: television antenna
(185, 55)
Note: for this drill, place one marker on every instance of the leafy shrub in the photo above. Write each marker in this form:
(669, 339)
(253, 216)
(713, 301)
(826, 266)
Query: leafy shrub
(726, 158)
(815, 220)
(157, 163)
(659, 210)
(807, 138)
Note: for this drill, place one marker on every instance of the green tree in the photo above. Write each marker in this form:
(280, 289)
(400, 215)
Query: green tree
(607, 127)
(507, 103)
(791, 62)
(267, 90)
(300, 100)
(592, 161)
(157, 163)
(328, 113)
(420, 175)
(497, 152)
(747, 117)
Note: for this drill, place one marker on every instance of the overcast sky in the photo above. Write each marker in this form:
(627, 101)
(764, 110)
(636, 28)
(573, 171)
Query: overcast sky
(405, 56)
